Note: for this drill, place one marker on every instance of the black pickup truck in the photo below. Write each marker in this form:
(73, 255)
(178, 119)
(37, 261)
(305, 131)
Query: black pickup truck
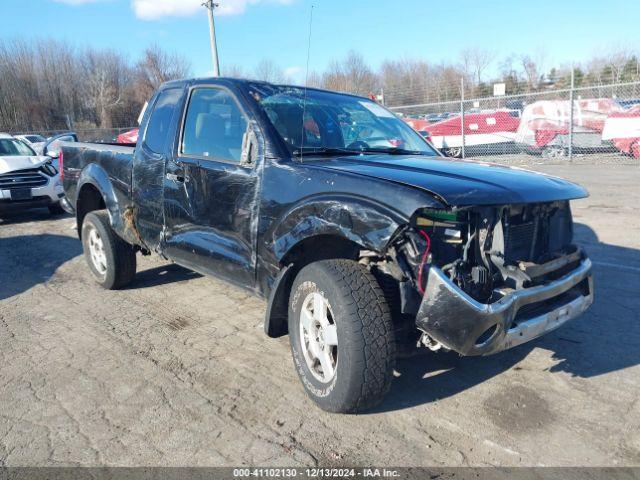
(362, 237)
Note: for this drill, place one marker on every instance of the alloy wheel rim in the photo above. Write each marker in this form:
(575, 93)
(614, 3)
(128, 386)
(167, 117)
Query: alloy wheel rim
(97, 252)
(319, 337)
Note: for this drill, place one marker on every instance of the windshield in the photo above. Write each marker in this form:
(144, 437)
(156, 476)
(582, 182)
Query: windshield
(335, 123)
(10, 147)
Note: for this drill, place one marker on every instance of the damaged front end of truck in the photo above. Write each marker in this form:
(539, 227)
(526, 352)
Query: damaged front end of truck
(479, 280)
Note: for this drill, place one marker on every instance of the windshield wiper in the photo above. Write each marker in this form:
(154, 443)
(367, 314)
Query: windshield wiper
(305, 151)
(326, 151)
(394, 151)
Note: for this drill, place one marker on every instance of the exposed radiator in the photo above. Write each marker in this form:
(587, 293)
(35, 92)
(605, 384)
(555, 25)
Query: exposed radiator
(519, 240)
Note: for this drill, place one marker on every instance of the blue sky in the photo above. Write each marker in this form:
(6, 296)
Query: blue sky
(251, 30)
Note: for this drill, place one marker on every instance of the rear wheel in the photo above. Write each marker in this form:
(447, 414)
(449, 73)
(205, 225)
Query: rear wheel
(341, 335)
(455, 152)
(111, 260)
(554, 151)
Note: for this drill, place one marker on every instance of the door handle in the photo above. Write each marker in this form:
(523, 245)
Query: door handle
(176, 178)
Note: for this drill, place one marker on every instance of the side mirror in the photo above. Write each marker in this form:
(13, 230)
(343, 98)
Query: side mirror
(52, 150)
(52, 147)
(249, 145)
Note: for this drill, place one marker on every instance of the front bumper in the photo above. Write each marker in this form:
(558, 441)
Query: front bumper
(43, 196)
(469, 327)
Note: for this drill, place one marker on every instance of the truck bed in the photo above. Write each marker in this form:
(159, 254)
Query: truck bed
(110, 166)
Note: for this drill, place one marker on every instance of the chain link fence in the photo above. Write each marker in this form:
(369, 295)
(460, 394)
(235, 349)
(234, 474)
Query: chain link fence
(101, 135)
(559, 124)
(599, 122)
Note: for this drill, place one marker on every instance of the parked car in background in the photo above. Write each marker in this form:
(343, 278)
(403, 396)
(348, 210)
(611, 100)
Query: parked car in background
(628, 102)
(360, 246)
(544, 127)
(485, 132)
(31, 139)
(130, 137)
(420, 125)
(27, 179)
(34, 141)
(623, 130)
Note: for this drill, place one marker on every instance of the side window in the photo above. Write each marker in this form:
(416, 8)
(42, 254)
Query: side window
(157, 133)
(214, 125)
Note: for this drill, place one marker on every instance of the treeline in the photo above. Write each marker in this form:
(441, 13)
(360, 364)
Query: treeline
(413, 81)
(49, 85)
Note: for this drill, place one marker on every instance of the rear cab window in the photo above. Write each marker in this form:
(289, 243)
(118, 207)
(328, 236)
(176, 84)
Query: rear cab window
(158, 128)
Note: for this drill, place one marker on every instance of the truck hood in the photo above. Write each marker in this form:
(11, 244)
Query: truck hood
(458, 182)
(10, 164)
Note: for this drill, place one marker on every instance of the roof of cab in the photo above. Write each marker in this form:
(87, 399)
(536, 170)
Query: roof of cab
(242, 81)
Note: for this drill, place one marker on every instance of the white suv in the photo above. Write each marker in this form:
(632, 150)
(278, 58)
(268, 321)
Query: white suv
(27, 180)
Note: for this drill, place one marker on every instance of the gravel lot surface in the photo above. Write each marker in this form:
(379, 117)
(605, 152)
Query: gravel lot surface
(175, 370)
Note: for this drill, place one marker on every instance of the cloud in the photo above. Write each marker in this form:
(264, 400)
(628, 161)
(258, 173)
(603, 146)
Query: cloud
(155, 9)
(292, 71)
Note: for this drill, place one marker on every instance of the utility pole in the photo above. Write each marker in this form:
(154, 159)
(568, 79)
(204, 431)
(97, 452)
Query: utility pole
(464, 138)
(210, 6)
(571, 111)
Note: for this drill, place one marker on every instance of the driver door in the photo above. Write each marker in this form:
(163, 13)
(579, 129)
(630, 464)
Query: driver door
(210, 191)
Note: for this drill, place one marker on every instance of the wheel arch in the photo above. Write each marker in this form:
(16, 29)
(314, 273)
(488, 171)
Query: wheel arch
(96, 192)
(90, 198)
(322, 228)
(310, 249)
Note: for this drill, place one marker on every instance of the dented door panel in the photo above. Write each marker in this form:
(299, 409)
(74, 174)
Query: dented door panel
(209, 219)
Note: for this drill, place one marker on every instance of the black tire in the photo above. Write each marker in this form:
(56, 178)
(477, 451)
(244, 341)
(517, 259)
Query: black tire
(120, 257)
(56, 209)
(454, 152)
(555, 152)
(365, 353)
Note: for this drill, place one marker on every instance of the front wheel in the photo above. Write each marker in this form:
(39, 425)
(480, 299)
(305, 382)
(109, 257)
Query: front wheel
(111, 260)
(341, 335)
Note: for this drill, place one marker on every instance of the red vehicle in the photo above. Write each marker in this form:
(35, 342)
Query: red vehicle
(544, 128)
(623, 130)
(483, 132)
(419, 125)
(128, 137)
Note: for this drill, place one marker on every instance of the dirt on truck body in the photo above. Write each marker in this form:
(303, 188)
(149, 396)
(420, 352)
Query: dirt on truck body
(363, 238)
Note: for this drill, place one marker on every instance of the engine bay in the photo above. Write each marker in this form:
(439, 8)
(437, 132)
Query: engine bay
(487, 250)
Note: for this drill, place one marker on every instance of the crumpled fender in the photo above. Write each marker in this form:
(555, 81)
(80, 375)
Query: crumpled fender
(360, 220)
(363, 221)
(115, 200)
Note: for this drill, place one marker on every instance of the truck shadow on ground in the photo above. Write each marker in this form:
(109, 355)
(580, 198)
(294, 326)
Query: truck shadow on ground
(604, 340)
(161, 275)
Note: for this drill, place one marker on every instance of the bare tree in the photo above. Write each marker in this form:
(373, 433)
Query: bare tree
(475, 62)
(617, 61)
(105, 76)
(157, 67)
(269, 71)
(233, 71)
(50, 85)
(407, 81)
(533, 68)
(314, 79)
(350, 75)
